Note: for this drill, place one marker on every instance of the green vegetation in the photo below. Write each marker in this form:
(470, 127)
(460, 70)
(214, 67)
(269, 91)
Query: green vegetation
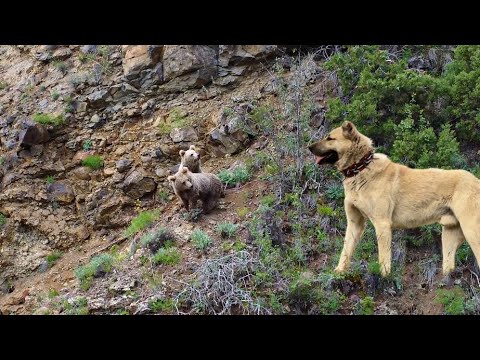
(87, 145)
(157, 239)
(366, 306)
(167, 256)
(98, 266)
(174, 120)
(48, 119)
(141, 221)
(201, 240)
(161, 305)
(50, 179)
(53, 258)
(239, 175)
(77, 306)
(453, 300)
(93, 161)
(3, 220)
(226, 229)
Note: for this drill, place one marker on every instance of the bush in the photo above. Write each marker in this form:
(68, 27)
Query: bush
(167, 256)
(161, 305)
(48, 119)
(226, 229)
(97, 267)
(53, 258)
(366, 306)
(157, 239)
(50, 179)
(412, 115)
(239, 175)
(452, 300)
(141, 221)
(201, 240)
(3, 220)
(93, 161)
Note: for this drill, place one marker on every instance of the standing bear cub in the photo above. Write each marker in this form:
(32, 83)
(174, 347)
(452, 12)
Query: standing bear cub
(190, 159)
(191, 187)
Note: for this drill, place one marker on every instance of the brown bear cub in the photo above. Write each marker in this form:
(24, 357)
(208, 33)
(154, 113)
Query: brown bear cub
(191, 160)
(191, 187)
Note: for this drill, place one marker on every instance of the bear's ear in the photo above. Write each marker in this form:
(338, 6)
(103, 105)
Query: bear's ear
(192, 147)
(171, 178)
(349, 130)
(184, 170)
(182, 152)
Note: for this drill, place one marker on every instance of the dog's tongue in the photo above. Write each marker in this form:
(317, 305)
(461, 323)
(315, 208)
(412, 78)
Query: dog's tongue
(318, 159)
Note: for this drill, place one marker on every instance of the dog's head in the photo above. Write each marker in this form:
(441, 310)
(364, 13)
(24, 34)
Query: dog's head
(337, 144)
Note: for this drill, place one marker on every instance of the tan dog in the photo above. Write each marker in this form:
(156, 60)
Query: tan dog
(393, 196)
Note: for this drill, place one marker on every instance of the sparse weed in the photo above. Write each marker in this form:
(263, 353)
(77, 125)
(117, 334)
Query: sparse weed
(167, 256)
(97, 267)
(200, 239)
(226, 229)
(48, 119)
(53, 258)
(141, 221)
(93, 161)
(239, 175)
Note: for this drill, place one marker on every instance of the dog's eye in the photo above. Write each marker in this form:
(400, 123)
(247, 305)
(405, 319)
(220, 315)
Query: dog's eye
(330, 138)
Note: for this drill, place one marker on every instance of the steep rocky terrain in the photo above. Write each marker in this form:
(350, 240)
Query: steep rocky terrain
(88, 136)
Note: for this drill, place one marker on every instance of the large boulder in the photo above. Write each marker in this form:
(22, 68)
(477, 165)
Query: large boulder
(140, 57)
(60, 192)
(32, 134)
(186, 66)
(138, 183)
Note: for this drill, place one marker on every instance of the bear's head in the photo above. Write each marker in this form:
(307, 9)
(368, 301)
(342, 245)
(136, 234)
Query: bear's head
(190, 156)
(182, 180)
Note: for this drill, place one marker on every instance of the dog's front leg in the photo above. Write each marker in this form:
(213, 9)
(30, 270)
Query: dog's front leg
(383, 230)
(355, 227)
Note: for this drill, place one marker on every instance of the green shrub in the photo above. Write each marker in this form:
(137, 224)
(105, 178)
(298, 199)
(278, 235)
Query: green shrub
(48, 119)
(157, 239)
(87, 145)
(239, 175)
(200, 239)
(50, 179)
(174, 120)
(52, 293)
(417, 117)
(55, 95)
(453, 300)
(366, 306)
(141, 221)
(97, 267)
(3, 220)
(167, 256)
(226, 229)
(53, 258)
(93, 161)
(161, 305)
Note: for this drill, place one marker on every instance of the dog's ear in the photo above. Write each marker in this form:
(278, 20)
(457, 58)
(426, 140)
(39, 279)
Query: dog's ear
(171, 178)
(184, 170)
(192, 147)
(349, 130)
(182, 152)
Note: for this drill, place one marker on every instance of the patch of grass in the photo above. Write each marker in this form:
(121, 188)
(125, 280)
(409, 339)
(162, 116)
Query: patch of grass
(50, 179)
(161, 305)
(374, 268)
(226, 230)
(3, 85)
(366, 306)
(53, 258)
(192, 215)
(453, 300)
(97, 267)
(243, 212)
(122, 312)
(55, 95)
(163, 196)
(464, 253)
(87, 145)
(61, 66)
(157, 239)
(48, 119)
(325, 210)
(141, 221)
(268, 200)
(174, 120)
(52, 293)
(78, 307)
(167, 256)
(93, 161)
(239, 175)
(201, 240)
(334, 192)
(3, 220)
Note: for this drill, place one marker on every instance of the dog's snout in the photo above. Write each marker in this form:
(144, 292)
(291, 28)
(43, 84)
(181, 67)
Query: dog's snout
(311, 147)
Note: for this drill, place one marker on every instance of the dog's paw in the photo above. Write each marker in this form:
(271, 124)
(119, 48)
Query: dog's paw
(339, 270)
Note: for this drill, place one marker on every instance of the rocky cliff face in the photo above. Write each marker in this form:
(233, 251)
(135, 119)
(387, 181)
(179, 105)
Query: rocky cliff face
(88, 134)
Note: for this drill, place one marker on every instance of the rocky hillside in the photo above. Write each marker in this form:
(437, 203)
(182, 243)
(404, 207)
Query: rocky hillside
(90, 224)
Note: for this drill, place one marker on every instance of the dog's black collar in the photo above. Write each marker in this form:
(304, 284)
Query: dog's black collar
(359, 166)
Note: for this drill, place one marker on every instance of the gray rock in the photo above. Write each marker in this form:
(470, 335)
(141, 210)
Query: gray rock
(187, 134)
(138, 183)
(60, 192)
(123, 165)
(32, 134)
(98, 99)
(89, 49)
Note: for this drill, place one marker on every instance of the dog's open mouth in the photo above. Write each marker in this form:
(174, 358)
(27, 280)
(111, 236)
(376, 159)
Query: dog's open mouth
(330, 157)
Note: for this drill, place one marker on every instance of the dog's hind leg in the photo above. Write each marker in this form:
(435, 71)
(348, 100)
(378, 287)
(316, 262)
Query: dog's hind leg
(383, 231)
(452, 238)
(355, 227)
